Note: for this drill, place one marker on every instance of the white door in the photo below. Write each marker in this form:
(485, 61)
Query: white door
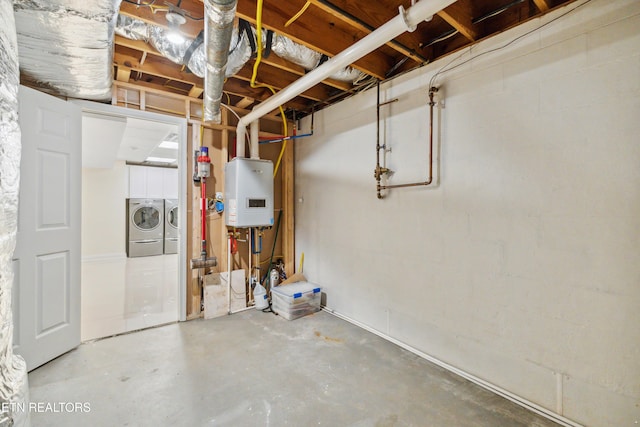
(47, 255)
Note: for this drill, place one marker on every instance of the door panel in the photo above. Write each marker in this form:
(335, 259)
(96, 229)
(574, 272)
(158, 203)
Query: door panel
(47, 255)
(54, 187)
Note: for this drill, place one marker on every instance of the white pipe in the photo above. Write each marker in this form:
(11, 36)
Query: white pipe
(396, 26)
(527, 404)
(254, 147)
(250, 239)
(229, 272)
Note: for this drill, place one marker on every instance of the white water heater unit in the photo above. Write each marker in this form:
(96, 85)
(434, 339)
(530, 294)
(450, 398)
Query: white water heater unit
(248, 187)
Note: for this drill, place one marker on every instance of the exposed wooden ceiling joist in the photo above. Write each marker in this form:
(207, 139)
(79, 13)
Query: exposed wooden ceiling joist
(347, 18)
(322, 37)
(190, 28)
(458, 15)
(542, 5)
(267, 73)
(328, 27)
(156, 67)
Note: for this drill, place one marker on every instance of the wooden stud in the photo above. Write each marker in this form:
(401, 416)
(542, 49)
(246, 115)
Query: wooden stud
(458, 16)
(143, 100)
(273, 60)
(130, 86)
(270, 74)
(326, 40)
(156, 67)
(245, 102)
(288, 206)
(195, 92)
(224, 154)
(123, 74)
(542, 5)
(191, 28)
(358, 26)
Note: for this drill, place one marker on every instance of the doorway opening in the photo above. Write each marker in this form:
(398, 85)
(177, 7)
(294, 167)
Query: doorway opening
(132, 246)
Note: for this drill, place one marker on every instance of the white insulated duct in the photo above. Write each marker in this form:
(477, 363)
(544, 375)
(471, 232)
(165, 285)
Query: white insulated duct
(218, 26)
(66, 46)
(14, 388)
(406, 20)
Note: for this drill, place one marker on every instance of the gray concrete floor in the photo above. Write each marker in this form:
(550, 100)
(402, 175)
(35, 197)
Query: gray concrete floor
(256, 369)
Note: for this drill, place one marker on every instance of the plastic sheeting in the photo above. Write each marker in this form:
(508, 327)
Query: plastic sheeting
(157, 37)
(66, 46)
(13, 372)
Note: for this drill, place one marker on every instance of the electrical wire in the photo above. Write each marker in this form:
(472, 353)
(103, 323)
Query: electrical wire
(298, 15)
(446, 68)
(256, 85)
(151, 5)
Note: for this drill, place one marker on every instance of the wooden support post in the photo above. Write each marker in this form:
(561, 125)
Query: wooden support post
(222, 258)
(194, 294)
(288, 206)
(143, 100)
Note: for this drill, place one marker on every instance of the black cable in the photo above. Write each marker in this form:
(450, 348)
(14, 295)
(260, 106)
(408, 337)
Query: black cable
(273, 249)
(444, 69)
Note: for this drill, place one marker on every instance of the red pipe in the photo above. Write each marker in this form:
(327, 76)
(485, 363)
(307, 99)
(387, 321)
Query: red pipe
(203, 205)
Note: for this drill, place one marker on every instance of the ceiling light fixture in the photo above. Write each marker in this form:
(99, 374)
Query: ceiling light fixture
(159, 160)
(171, 145)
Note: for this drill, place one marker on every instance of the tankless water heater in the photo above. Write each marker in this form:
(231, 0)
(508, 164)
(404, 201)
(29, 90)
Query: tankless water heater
(248, 190)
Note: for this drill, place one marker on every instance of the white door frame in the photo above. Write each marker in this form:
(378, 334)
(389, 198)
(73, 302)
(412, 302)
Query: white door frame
(181, 123)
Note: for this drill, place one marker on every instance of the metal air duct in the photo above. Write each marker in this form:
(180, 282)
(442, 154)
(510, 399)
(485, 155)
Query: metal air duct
(218, 26)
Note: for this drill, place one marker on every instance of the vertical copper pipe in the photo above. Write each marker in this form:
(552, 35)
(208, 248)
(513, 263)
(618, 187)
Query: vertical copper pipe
(377, 171)
(429, 180)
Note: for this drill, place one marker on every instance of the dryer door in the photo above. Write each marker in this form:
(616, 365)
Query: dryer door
(172, 217)
(146, 222)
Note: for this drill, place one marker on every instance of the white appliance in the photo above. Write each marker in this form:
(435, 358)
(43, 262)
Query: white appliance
(170, 226)
(248, 190)
(145, 227)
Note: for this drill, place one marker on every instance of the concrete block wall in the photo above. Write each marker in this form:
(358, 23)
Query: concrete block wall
(521, 266)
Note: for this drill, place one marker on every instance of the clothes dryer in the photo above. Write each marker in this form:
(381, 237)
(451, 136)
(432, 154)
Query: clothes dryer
(171, 226)
(145, 227)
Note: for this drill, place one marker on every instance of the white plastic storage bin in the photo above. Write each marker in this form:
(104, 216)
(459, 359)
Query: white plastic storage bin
(295, 300)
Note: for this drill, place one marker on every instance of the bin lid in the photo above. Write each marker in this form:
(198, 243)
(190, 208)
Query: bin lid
(296, 290)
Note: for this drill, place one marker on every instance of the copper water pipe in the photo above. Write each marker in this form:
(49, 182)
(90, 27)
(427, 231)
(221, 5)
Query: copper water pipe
(432, 91)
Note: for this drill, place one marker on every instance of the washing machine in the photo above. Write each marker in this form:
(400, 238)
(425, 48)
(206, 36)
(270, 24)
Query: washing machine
(145, 227)
(171, 226)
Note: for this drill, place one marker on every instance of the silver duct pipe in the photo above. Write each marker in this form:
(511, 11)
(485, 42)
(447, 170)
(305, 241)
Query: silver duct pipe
(308, 58)
(14, 386)
(66, 46)
(157, 37)
(218, 26)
